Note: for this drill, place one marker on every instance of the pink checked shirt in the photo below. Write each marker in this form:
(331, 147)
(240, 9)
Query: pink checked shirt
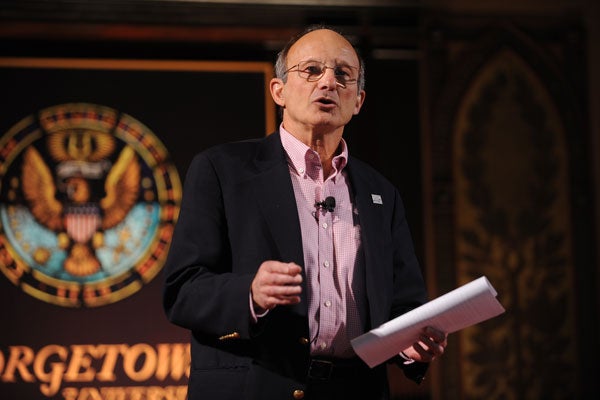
(332, 249)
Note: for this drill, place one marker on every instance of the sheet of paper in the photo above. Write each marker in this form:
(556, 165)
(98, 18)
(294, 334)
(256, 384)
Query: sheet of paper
(466, 305)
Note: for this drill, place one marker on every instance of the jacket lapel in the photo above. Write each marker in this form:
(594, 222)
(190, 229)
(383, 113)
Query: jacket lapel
(275, 195)
(371, 216)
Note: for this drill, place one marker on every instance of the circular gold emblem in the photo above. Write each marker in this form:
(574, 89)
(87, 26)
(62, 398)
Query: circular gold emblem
(88, 201)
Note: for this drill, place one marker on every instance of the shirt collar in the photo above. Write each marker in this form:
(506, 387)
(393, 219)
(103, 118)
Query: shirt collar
(298, 153)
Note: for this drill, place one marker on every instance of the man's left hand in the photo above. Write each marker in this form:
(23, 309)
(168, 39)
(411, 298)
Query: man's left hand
(432, 343)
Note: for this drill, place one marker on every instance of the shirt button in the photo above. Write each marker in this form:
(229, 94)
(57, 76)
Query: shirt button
(323, 346)
(301, 170)
(328, 303)
(304, 341)
(326, 264)
(325, 225)
(298, 394)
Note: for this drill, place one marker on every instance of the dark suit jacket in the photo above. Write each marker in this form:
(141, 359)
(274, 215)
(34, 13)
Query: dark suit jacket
(239, 210)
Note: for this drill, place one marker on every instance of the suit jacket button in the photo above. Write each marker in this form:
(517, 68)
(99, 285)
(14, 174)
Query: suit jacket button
(298, 394)
(304, 341)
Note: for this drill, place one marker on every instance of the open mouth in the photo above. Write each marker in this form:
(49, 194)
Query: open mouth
(325, 101)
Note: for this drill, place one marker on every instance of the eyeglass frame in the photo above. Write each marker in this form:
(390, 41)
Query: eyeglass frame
(310, 78)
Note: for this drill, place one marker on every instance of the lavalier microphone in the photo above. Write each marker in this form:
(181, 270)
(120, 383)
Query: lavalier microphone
(328, 204)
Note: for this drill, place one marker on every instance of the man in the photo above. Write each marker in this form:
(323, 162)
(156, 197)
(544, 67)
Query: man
(287, 248)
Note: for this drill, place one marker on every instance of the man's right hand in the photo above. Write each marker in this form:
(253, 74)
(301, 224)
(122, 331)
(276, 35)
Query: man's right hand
(275, 284)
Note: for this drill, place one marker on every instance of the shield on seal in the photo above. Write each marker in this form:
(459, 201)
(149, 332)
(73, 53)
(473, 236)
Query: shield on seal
(82, 221)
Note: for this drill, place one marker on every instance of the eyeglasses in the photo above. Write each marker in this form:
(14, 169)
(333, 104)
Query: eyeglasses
(313, 71)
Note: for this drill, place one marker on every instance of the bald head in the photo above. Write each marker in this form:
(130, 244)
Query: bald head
(311, 38)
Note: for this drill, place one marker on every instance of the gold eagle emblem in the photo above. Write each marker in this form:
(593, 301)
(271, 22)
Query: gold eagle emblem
(84, 195)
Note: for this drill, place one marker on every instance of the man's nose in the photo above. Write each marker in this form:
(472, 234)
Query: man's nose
(328, 79)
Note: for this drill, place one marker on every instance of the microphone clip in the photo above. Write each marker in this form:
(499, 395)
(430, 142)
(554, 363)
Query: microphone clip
(328, 204)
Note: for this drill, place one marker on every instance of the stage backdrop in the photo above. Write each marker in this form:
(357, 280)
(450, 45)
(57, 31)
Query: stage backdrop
(93, 154)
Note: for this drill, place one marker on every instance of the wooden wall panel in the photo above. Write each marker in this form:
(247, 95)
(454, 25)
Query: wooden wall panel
(507, 179)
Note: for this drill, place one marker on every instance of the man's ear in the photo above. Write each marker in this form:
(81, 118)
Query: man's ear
(360, 99)
(276, 86)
